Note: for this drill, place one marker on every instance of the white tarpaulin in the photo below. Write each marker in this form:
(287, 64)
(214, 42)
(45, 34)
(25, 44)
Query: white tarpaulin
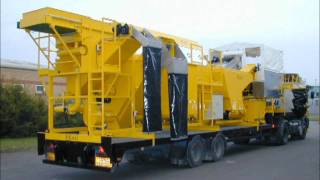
(268, 58)
(269, 61)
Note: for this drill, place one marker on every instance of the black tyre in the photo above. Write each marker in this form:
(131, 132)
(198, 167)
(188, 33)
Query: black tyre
(215, 148)
(195, 152)
(266, 140)
(306, 121)
(134, 157)
(282, 135)
(303, 128)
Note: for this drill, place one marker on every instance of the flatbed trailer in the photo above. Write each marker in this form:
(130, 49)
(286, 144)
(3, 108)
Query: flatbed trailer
(115, 148)
(129, 102)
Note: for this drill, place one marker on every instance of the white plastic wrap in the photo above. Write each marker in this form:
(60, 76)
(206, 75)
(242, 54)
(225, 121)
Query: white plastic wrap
(268, 58)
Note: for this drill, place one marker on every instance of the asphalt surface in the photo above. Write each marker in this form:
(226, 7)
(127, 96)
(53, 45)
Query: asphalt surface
(298, 160)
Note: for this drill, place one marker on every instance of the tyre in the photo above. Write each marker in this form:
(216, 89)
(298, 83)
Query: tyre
(195, 152)
(177, 153)
(303, 128)
(282, 135)
(306, 121)
(134, 157)
(266, 140)
(215, 148)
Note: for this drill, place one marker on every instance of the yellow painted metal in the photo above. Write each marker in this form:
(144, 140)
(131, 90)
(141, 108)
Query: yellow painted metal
(181, 41)
(104, 77)
(73, 137)
(292, 81)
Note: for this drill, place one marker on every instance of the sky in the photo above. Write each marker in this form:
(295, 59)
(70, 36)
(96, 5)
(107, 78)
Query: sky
(288, 25)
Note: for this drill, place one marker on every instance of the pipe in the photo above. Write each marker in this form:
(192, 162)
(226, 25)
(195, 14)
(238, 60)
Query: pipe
(77, 51)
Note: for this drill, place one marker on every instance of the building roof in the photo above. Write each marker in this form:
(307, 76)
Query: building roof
(315, 88)
(18, 64)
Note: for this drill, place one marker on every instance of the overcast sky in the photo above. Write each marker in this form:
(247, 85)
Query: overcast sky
(289, 25)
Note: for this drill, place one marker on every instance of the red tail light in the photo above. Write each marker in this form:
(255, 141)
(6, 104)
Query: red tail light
(101, 150)
(51, 147)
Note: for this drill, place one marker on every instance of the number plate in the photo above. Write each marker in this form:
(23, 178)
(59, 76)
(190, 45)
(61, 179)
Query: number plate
(71, 137)
(103, 162)
(51, 156)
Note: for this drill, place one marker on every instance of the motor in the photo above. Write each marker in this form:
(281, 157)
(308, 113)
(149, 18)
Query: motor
(122, 29)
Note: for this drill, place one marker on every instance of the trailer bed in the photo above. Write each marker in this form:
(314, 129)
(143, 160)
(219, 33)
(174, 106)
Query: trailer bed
(164, 136)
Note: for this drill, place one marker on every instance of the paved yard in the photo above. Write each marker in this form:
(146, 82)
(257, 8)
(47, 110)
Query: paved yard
(299, 160)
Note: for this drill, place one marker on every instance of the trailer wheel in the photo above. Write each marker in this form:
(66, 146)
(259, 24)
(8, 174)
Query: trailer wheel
(303, 127)
(282, 135)
(195, 152)
(134, 157)
(306, 121)
(266, 140)
(216, 148)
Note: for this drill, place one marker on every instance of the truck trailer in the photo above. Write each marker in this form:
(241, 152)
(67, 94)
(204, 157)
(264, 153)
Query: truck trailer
(131, 91)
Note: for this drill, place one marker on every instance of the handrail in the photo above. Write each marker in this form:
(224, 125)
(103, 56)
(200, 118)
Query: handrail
(41, 50)
(64, 45)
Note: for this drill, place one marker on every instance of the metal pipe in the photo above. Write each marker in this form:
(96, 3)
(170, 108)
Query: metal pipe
(77, 51)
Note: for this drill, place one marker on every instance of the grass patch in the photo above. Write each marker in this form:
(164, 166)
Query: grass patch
(17, 144)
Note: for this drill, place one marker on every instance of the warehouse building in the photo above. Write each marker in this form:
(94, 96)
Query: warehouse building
(314, 107)
(24, 74)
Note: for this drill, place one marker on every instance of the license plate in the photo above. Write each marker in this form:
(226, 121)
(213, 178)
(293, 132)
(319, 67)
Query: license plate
(103, 162)
(51, 156)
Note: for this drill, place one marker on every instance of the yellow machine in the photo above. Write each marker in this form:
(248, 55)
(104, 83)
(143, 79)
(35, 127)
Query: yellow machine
(133, 88)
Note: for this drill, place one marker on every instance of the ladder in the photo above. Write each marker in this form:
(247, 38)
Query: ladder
(96, 100)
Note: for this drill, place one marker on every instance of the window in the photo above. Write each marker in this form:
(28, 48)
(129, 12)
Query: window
(39, 89)
(312, 95)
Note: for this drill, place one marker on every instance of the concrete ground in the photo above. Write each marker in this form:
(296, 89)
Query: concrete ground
(298, 160)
